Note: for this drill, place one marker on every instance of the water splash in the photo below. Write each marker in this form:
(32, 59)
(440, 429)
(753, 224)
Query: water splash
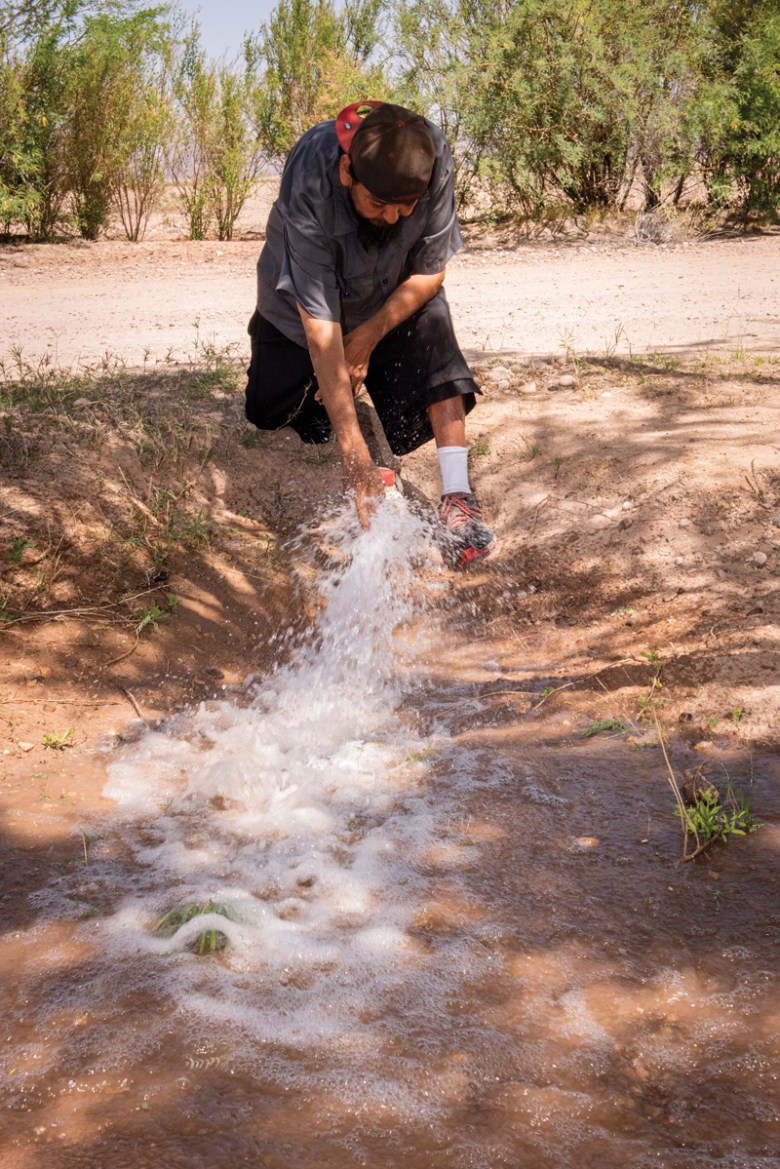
(304, 811)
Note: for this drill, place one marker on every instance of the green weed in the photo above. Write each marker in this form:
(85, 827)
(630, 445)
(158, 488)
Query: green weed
(715, 817)
(648, 701)
(18, 545)
(529, 451)
(151, 616)
(211, 941)
(58, 742)
(606, 724)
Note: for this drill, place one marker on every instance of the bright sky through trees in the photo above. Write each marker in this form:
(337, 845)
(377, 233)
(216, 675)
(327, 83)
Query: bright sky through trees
(224, 22)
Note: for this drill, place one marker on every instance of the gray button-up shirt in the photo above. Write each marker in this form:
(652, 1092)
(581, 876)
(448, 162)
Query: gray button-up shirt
(317, 254)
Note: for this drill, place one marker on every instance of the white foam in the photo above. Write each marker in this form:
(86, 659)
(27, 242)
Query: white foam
(304, 813)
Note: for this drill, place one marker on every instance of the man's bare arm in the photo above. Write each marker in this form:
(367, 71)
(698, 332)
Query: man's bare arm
(360, 473)
(405, 300)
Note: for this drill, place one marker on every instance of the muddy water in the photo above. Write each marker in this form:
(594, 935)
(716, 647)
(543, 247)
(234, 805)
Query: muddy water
(440, 935)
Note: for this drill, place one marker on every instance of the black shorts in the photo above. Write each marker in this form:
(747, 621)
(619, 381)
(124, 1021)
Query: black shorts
(416, 364)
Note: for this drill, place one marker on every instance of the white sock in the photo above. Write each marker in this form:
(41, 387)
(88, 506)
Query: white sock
(454, 465)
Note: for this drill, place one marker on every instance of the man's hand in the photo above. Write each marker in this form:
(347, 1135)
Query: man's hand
(399, 306)
(364, 484)
(358, 347)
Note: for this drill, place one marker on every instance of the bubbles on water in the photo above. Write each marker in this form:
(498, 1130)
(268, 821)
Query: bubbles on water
(304, 812)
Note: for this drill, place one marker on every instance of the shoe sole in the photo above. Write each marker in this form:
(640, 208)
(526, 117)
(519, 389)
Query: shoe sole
(469, 555)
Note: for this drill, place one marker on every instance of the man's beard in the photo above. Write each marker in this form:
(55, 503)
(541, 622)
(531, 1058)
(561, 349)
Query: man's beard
(371, 235)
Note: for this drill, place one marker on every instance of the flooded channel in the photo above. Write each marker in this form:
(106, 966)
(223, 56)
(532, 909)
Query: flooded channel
(358, 915)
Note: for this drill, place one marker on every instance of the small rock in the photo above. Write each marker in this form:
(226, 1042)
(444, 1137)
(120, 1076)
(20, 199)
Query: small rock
(564, 382)
(25, 746)
(585, 843)
(500, 373)
(776, 520)
(84, 402)
(684, 523)
(759, 559)
(626, 522)
(529, 388)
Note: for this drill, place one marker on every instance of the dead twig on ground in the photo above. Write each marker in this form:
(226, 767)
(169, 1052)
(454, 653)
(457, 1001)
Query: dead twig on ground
(130, 697)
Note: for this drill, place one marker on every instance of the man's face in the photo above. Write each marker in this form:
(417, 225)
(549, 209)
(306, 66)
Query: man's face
(368, 207)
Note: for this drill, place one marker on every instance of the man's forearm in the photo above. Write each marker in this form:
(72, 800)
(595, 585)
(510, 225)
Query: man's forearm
(401, 304)
(405, 300)
(326, 349)
(361, 477)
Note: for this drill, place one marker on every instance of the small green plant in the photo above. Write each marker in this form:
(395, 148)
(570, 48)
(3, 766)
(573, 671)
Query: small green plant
(736, 715)
(419, 756)
(58, 742)
(714, 817)
(605, 724)
(151, 616)
(479, 447)
(211, 941)
(557, 463)
(18, 545)
(648, 701)
(528, 451)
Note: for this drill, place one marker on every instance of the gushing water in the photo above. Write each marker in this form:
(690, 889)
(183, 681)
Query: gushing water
(302, 813)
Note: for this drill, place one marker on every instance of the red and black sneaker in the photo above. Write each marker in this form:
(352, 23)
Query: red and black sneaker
(466, 536)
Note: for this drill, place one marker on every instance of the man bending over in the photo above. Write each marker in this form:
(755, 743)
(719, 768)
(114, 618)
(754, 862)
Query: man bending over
(350, 294)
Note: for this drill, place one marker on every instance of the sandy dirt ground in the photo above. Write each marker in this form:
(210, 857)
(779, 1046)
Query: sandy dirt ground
(158, 301)
(625, 449)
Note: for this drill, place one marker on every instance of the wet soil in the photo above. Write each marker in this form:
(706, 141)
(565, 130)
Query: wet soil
(149, 562)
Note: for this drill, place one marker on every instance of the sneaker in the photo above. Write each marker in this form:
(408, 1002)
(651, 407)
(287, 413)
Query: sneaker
(466, 535)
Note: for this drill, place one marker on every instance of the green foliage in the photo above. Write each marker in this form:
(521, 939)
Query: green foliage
(605, 724)
(111, 121)
(315, 63)
(18, 545)
(210, 941)
(714, 817)
(744, 159)
(554, 108)
(55, 742)
(195, 88)
(234, 157)
(215, 153)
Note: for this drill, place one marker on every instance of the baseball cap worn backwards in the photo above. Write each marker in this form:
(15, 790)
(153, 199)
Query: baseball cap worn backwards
(390, 149)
